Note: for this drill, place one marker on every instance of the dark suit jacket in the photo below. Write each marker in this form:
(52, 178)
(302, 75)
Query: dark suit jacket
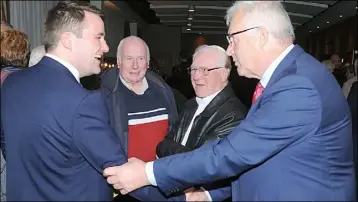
(295, 143)
(57, 136)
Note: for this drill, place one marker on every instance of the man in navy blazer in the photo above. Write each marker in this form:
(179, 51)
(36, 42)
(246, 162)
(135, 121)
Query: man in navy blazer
(57, 134)
(295, 143)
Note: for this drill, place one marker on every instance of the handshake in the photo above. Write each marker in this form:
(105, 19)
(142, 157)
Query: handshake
(132, 175)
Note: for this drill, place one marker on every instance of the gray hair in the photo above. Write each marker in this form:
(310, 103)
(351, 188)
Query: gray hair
(36, 55)
(224, 58)
(119, 49)
(269, 14)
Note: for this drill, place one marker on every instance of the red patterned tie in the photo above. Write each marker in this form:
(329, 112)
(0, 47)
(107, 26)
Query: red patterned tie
(258, 91)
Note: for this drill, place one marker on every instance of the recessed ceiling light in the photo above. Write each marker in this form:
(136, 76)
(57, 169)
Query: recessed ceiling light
(317, 27)
(310, 31)
(356, 7)
(327, 22)
(340, 16)
(188, 24)
(188, 29)
(190, 18)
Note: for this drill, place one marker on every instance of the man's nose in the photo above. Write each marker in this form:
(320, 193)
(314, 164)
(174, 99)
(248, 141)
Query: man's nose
(105, 47)
(229, 50)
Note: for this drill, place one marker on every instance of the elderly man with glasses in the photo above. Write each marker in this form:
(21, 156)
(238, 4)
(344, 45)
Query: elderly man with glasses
(211, 115)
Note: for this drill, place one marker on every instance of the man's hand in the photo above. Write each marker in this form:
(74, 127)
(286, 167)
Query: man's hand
(192, 194)
(127, 177)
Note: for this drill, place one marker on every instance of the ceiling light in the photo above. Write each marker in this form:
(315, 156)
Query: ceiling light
(327, 22)
(191, 16)
(310, 31)
(356, 7)
(188, 29)
(191, 8)
(317, 27)
(188, 24)
(340, 16)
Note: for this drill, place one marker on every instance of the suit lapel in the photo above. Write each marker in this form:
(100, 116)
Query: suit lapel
(278, 73)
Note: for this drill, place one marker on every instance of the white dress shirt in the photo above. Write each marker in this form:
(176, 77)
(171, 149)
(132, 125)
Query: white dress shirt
(202, 103)
(264, 81)
(269, 71)
(70, 67)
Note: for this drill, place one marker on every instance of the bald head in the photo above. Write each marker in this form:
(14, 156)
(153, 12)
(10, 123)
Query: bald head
(132, 41)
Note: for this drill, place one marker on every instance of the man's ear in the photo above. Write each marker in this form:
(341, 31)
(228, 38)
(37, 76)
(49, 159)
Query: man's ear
(225, 75)
(118, 62)
(66, 39)
(263, 37)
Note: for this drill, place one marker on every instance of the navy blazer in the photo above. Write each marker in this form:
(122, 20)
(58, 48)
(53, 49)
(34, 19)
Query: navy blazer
(58, 137)
(295, 143)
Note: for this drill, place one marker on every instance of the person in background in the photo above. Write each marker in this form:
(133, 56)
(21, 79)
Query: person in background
(14, 51)
(180, 80)
(36, 55)
(347, 86)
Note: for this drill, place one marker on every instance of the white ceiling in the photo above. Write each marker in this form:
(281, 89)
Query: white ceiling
(208, 16)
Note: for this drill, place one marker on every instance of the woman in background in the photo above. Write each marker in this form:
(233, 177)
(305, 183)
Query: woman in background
(14, 56)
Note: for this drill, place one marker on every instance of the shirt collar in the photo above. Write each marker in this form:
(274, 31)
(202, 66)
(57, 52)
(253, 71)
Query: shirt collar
(269, 71)
(70, 67)
(206, 100)
(144, 85)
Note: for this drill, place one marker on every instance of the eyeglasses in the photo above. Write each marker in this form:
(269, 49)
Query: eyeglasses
(229, 37)
(203, 70)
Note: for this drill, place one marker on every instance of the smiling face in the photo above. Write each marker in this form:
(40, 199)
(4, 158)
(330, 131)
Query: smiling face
(215, 80)
(88, 49)
(133, 60)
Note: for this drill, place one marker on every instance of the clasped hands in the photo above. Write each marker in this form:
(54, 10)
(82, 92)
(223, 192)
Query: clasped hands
(127, 177)
(131, 176)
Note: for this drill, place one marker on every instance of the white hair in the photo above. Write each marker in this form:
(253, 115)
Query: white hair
(119, 49)
(224, 59)
(36, 55)
(269, 14)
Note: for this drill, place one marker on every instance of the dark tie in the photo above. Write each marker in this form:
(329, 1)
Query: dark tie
(258, 91)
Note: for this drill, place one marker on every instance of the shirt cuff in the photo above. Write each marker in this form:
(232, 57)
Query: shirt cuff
(150, 173)
(207, 194)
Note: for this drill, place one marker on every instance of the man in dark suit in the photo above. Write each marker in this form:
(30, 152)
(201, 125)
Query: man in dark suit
(57, 134)
(295, 143)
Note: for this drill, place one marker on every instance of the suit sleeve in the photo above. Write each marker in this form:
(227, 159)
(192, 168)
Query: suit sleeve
(93, 135)
(290, 111)
(220, 194)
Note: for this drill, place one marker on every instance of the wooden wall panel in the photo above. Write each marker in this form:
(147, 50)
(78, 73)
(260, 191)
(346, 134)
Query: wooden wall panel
(339, 38)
